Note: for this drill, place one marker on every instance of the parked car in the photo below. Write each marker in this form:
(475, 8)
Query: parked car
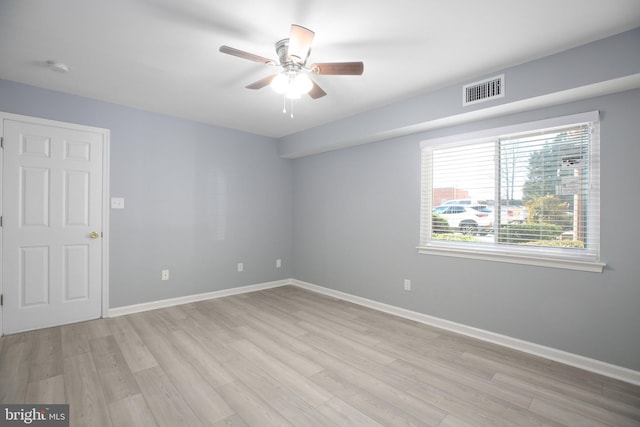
(513, 214)
(469, 220)
(464, 202)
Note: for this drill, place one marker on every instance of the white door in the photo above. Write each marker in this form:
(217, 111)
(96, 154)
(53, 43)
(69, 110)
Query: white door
(52, 224)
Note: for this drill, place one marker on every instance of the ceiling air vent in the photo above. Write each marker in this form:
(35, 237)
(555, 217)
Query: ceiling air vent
(483, 90)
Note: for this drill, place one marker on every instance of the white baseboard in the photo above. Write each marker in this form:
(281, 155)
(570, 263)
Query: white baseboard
(592, 365)
(138, 308)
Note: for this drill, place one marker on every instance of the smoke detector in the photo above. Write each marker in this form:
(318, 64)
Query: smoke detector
(58, 67)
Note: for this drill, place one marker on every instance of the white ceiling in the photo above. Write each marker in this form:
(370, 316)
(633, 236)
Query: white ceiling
(162, 55)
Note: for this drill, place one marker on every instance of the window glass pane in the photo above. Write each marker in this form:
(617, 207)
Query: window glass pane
(463, 174)
(544, 188)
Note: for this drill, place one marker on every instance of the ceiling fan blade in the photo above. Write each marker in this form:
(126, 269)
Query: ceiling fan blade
(300, 39)
(261, 83)
(338, 68)
(245, 55)
(316, 91)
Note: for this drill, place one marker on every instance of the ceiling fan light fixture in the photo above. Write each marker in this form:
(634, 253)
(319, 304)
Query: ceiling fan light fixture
(280, 83)
(302, 83)
(292, 84)
(294, 79)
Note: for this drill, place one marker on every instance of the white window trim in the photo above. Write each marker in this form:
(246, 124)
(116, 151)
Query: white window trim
(520, 255)
(593, 267)
(591, 116)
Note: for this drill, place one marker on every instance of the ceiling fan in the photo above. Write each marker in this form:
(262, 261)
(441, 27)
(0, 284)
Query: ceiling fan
(293, 78)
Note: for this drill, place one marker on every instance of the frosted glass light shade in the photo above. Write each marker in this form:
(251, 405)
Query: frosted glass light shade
(302, 83)
(280, 83)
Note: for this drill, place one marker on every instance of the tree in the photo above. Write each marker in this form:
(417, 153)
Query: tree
(550, 210)
(539, 182)
(546, 171)
(508, 166)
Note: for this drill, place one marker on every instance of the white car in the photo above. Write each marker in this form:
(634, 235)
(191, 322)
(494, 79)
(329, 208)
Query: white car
(469, 220)
(465, 202)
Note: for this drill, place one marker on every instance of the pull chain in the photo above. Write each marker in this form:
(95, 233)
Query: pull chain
(284, 105)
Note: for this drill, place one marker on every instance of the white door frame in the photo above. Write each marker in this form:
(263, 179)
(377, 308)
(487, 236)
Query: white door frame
(105, 197)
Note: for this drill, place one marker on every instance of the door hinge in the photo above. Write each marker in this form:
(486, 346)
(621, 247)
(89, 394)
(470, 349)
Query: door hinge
(2, 142)
(0, 221)
(1, 300)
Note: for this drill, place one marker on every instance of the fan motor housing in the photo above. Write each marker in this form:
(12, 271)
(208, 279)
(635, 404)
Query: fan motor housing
(282, 47)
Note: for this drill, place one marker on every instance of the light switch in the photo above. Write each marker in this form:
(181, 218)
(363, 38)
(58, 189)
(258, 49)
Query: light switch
(117, 203)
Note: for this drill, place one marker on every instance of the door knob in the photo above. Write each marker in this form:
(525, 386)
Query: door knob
(94, 235)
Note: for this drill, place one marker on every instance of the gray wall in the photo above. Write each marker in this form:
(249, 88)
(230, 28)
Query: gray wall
(198, 199)
(356, 228)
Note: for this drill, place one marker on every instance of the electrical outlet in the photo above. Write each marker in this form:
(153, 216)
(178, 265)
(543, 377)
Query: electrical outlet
(240, 267)
(278, 263)
(407, 284)
(165, 274)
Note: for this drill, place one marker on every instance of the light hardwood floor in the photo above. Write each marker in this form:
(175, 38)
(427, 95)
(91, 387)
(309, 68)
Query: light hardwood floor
(290, 357)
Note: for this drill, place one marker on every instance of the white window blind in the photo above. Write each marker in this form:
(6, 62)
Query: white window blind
(527, 194)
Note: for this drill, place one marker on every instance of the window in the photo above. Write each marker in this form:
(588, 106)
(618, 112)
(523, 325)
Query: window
(526, 194)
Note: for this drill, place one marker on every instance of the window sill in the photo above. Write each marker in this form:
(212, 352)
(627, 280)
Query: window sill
(589, 266)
